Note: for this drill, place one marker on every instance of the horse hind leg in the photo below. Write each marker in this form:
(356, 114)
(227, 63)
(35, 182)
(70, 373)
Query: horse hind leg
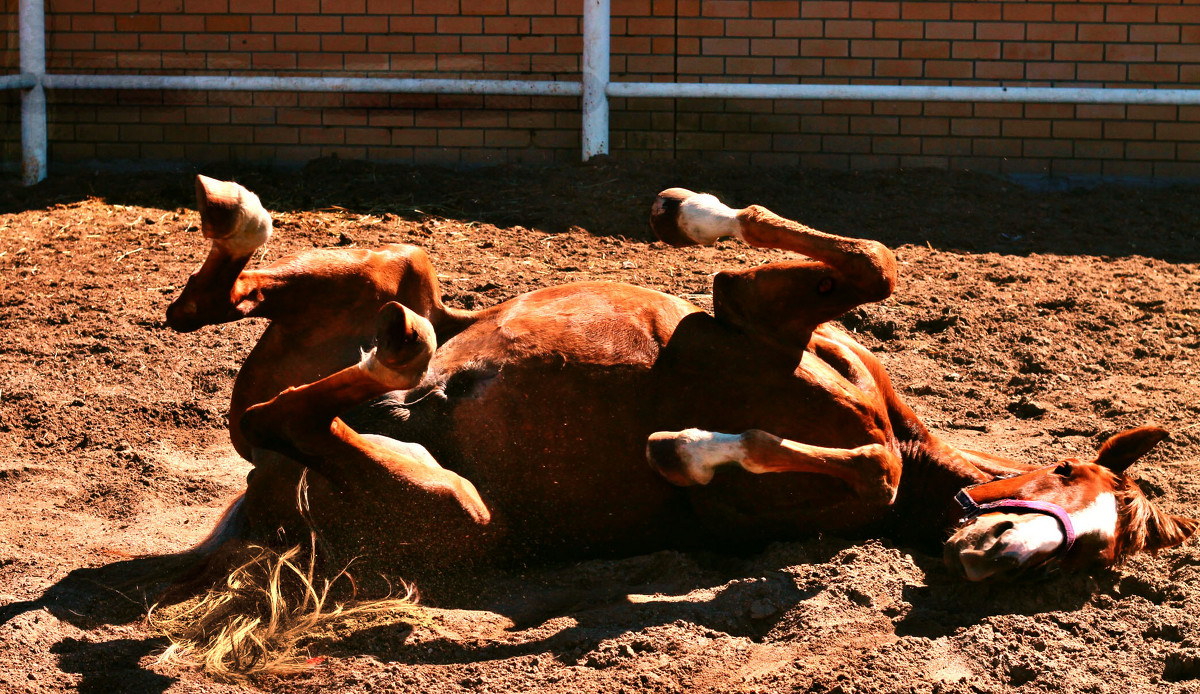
(317, 289)
(692, 457)
(378, 474)
(235, 221)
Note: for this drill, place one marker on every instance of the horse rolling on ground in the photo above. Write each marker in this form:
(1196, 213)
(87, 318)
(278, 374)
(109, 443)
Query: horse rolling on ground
(598, 418)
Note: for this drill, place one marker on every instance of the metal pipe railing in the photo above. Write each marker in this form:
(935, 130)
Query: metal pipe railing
(881, 92)
(31, 32)
(387, 85)
(597, 18)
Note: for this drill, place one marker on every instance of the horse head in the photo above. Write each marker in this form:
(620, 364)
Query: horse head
(1070, 515)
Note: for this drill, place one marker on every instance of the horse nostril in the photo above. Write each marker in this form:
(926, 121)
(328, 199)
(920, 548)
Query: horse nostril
(1000, 528)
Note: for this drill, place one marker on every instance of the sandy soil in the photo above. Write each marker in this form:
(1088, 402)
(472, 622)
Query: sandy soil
(1030, 324)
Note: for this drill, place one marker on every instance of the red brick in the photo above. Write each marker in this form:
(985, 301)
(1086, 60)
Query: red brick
(849, 29)
(1050, 71)
(829, 9)
(726, 46)
(1028, 12)
(976, 50)
(949, 69)
(976, 11)
(950, 31)
(896, 145)
(1150, 33)
(1152, 112)
(318, 25)
(901, 30)
(798, 66)
(1179, 53)
(834, 48)
(1064, 12)
(874, 125)
(925, 126)
(937, 50)
(1079, 51)
(1027, 51)
(774, 47)
(925, 9)
(1025, 128)
(1179, 14)
(1153, 73)
(1050, 32)
(898, 68)
(701, 27)
(1103, 32)
(1000, 31)
(874, 9)
(875, 49)
(996, 148)
(1150, 150)
(848, 67)
(744, 27)
(1078, 129)
(1101, 72)
(1131, 13)
(999, 70)
(776, 9)
(1099, 149)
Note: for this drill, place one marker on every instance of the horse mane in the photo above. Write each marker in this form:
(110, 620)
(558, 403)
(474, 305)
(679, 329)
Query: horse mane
(1142, 526)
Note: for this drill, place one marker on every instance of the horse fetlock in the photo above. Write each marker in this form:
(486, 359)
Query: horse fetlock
(877, 473)
(692, 456)
(232, 217)
(681, 217)
(405, 342)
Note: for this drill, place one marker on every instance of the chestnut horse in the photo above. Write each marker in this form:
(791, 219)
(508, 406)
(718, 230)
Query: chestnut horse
(601, 418)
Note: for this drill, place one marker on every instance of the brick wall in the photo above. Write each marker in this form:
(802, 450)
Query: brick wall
(964, 42)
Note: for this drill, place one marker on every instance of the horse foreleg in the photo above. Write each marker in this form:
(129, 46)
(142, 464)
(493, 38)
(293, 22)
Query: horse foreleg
(682, 218)
(781, 302)
(692, 456)
(302, 423)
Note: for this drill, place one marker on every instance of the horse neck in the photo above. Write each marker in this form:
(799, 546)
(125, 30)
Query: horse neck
(933, 473)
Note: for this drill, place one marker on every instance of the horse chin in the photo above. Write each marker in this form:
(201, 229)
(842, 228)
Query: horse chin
(999, 546)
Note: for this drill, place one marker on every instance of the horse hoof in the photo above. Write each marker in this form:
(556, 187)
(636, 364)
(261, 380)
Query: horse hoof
(231, 216)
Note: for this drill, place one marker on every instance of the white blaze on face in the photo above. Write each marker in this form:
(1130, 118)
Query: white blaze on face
(1099, 519)
(704, 219)
(1035, 534)
(704, 451)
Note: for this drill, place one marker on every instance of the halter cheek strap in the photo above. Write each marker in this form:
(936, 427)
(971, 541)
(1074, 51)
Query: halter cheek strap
(972, 510)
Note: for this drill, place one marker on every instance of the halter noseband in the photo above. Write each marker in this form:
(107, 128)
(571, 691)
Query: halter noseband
(971, 509)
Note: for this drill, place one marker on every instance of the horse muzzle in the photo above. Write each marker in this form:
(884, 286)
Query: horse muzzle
(999, 546)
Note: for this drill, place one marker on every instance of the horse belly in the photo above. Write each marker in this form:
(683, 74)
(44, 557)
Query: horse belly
(559, 455)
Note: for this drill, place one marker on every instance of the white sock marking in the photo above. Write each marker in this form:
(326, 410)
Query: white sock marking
(704, 451)
(704, 219)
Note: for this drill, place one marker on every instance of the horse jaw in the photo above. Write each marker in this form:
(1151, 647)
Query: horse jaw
(999, 545)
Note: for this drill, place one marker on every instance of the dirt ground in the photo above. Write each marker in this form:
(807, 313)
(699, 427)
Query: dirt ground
(1033, 324)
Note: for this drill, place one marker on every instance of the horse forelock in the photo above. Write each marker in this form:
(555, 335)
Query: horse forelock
(1142, 526)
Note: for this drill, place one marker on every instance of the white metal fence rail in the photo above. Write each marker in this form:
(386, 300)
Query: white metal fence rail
(595, 87)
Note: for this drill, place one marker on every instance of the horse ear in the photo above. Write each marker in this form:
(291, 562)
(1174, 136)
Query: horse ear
(1164, 530)
(1120, 451)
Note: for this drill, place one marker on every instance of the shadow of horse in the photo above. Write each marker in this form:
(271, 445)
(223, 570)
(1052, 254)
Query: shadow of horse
(114, 594)
(602, 600)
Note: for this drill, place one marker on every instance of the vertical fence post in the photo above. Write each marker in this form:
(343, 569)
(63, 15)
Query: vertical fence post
(32, 41)
(597, 19)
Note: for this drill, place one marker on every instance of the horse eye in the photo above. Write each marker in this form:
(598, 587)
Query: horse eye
(1063, 469)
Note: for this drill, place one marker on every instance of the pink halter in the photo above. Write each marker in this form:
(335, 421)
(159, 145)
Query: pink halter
(973, 510)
